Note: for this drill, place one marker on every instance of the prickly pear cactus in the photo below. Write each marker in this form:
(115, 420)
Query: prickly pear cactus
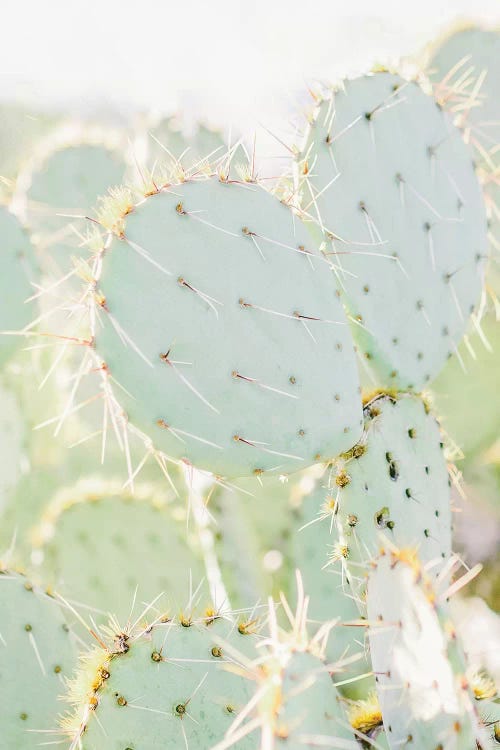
(12, 437)
(464, 68)
(21, 129)
(466, 400)
(392, 188)
(300, 705)
(166, 686)
(104, 547)
(18, 271)
(228, 368)
(211, 683)
(168, 142)
(254, 523)
(331, 597)
(184, 432)
(37, 653)
(395, 482)
(422, 686)
(59, 189)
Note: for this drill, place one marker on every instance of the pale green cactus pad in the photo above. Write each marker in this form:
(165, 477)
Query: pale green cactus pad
(330, 594)
(228, 367)
(465, 70)
(37, 653)
(391, 185)
(298, 706)
(394, 482)
(307, 709)
(106, 548)
(168, 141)
(61, 186)
(166, 687)
(12, 437)
(253, 534)
(18, 270)
(466, 397)
(211, 684)
(422, 687)
(171, 147)
(20, 130)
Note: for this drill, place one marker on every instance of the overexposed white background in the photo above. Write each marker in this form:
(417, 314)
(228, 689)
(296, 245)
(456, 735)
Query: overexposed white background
(235, 62)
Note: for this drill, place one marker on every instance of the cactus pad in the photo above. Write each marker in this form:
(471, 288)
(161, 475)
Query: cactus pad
(165, 687)
(255, 518)
(228, 366)
(12, 434)
(392, 186)
(18, 269)
(60, 186)
(331, 596)
(394, 482)
(99, 544)
(465, 71)
(210, 685)
(36, 653)
(422, 687)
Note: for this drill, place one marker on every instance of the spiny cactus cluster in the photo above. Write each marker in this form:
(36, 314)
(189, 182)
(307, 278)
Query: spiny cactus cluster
(226, 501)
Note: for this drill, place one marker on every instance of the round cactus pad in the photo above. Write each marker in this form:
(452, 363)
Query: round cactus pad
(392, 186)
(216, 316)
(37, 653)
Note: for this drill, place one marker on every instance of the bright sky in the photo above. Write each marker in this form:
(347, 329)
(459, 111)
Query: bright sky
(242, 62)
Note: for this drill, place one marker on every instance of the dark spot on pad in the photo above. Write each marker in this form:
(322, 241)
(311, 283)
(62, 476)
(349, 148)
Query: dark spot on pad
(393, 470)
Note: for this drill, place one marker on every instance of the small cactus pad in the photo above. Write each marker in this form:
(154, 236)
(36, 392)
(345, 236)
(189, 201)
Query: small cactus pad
(21, 128)
(58, 188)
(103, 546)
(465, 70)
(255, 518)
(395, 482)
(12, 435)
(467, 402)
(238, 358)
(392, 186)
(330, 594)
(422, 687)
(167, 141)
(18, 268)
(300, 706)
(37, 653)
(165, 688)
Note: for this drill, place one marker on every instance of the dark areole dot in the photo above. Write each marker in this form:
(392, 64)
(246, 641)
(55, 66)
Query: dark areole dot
(393, 471)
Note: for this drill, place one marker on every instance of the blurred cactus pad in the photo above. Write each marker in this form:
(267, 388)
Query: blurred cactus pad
(249, 495)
